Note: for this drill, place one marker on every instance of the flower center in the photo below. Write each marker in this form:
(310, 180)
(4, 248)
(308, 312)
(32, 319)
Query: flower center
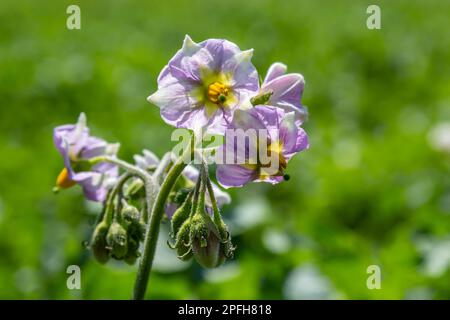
(266, 170)
(63, 181)
(217, 92)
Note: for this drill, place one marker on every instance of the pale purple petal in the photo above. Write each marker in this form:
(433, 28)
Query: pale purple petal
(149, 159)
(287, 89)
(271, 118)
(92, 184)
(233, 175)
(93, 147)
(293, 138)
(220, 50)
(276, 70)
(244, 73)
(175, 101)
(71, 137)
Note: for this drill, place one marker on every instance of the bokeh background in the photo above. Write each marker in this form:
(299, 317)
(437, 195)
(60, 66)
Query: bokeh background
(373, 189)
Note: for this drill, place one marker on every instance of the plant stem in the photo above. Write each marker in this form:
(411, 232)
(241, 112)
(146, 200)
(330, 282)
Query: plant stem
(151, 236)
(212, 196)
(163, 164)
(112, 194)
(134, 170)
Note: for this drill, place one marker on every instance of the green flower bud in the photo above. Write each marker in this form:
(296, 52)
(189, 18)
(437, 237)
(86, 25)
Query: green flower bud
(182, 243)
(181, 215)
(130, 214)
(261, 98)
(206, 242)
(137, 230)
(98, 243)
(133, 251)
(226, 249)
(117, 240)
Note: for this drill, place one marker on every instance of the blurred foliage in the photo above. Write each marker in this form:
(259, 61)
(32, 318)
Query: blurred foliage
(370, 190)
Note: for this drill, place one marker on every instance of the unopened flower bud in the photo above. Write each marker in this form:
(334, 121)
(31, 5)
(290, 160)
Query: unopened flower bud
(261, 98)
(226, 249)
(130, 214)
(181, 215)
(183, 243)
(117, 240)
(205, 242)
(98, 245)
(133, 251)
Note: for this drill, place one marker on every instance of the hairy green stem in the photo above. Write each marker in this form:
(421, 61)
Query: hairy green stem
(134, 170)
(112, 194)
(163, 164)
(151, 236)
(212, 196)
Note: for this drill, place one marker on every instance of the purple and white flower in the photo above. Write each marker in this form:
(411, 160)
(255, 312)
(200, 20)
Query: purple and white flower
(76, 147)
(204, 83)
(284, 91)
(283, 138)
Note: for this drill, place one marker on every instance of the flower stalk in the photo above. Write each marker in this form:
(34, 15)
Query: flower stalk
(152, 232)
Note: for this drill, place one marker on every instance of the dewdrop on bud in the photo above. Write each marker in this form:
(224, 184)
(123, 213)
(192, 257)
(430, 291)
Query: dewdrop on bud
(99, 246)
(117, 240)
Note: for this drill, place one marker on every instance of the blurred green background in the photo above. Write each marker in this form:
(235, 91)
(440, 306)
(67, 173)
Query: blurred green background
(373, 189)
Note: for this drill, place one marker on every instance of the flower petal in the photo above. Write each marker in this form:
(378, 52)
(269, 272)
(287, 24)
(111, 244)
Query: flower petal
(233, 175)
(287, 93)
(93, 185)
(244, 74)
(293, 138)
(276, 70)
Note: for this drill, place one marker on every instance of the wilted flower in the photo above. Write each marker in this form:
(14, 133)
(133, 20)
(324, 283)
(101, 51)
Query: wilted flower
(283, 91)
(284, 139)
(203, 84)
(77, 147)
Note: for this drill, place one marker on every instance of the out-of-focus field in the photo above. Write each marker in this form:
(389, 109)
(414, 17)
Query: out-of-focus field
(373, 189)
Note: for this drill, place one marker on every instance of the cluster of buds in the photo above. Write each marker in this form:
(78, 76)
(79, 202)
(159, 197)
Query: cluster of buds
(119, 233)
(198, 230)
